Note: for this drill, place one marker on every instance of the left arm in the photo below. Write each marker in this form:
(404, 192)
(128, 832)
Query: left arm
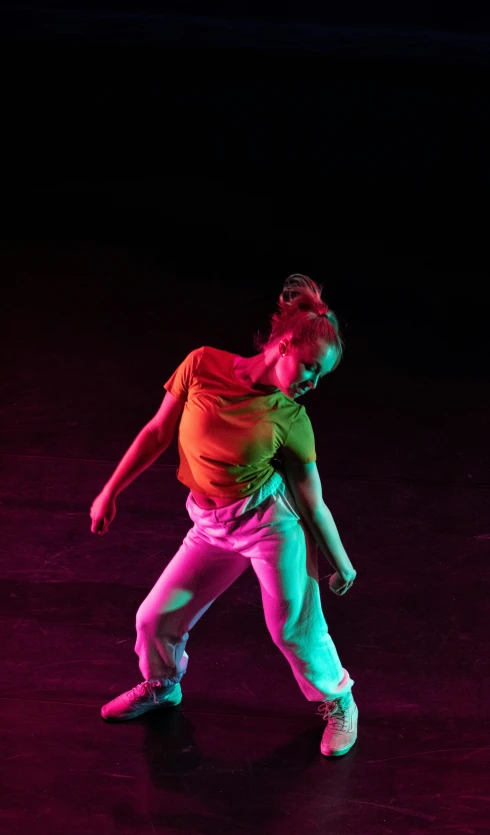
(305, 484)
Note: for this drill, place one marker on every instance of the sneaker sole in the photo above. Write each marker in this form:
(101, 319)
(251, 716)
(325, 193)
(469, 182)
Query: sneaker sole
(327, 753)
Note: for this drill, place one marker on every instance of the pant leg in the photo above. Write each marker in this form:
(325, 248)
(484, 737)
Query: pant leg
(284, 558)
(199, 572)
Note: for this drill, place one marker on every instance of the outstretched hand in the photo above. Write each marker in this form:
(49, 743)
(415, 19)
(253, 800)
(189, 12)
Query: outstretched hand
(339, 584)
(102, 513)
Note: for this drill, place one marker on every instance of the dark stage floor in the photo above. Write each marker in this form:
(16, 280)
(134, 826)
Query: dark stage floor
(92, 333)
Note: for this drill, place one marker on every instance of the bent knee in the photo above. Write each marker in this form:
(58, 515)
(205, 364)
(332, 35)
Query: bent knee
(147, 617)
(145, 621)
(157, 606)
(153, 621)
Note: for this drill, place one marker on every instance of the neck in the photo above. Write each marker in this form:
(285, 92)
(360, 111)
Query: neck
(259, 370)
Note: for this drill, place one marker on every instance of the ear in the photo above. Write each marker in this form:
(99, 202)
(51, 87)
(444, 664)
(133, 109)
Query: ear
(283, 346)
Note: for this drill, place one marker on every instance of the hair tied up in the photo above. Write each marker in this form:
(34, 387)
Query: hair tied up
(304, 316)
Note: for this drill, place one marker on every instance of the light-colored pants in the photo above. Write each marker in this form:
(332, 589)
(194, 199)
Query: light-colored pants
(266, 531)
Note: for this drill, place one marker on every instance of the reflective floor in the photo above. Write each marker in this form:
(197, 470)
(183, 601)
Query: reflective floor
(403, 456)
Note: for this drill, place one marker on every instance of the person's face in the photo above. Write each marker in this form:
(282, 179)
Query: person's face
(301, 367)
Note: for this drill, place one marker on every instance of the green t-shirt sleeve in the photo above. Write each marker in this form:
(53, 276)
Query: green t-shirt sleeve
(301, 440)
(180, 382)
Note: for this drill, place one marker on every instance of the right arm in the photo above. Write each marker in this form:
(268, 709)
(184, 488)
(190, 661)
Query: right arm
(148, 445)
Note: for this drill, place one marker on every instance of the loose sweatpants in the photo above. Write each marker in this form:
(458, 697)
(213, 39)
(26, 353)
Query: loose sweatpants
(263, 530)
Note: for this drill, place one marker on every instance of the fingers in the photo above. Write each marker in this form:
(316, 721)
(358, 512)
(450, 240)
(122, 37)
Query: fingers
(99, 526)
(345, 589)
(339, 588)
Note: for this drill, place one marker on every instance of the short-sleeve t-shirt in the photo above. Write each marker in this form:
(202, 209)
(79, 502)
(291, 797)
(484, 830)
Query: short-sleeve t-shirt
(229, 432)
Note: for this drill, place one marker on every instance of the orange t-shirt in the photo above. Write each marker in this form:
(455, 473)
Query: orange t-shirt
(229, 432)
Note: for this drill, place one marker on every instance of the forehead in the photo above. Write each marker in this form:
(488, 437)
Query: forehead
(322, 355)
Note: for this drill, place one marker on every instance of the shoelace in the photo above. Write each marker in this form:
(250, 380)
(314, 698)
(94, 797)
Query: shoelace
(335, 714)
(144, 689)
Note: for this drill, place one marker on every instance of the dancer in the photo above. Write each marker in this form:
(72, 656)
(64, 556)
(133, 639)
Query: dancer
(247, 455)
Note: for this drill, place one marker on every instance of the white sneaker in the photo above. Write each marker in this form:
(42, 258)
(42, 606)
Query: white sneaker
(341, 732)
(144, 697)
